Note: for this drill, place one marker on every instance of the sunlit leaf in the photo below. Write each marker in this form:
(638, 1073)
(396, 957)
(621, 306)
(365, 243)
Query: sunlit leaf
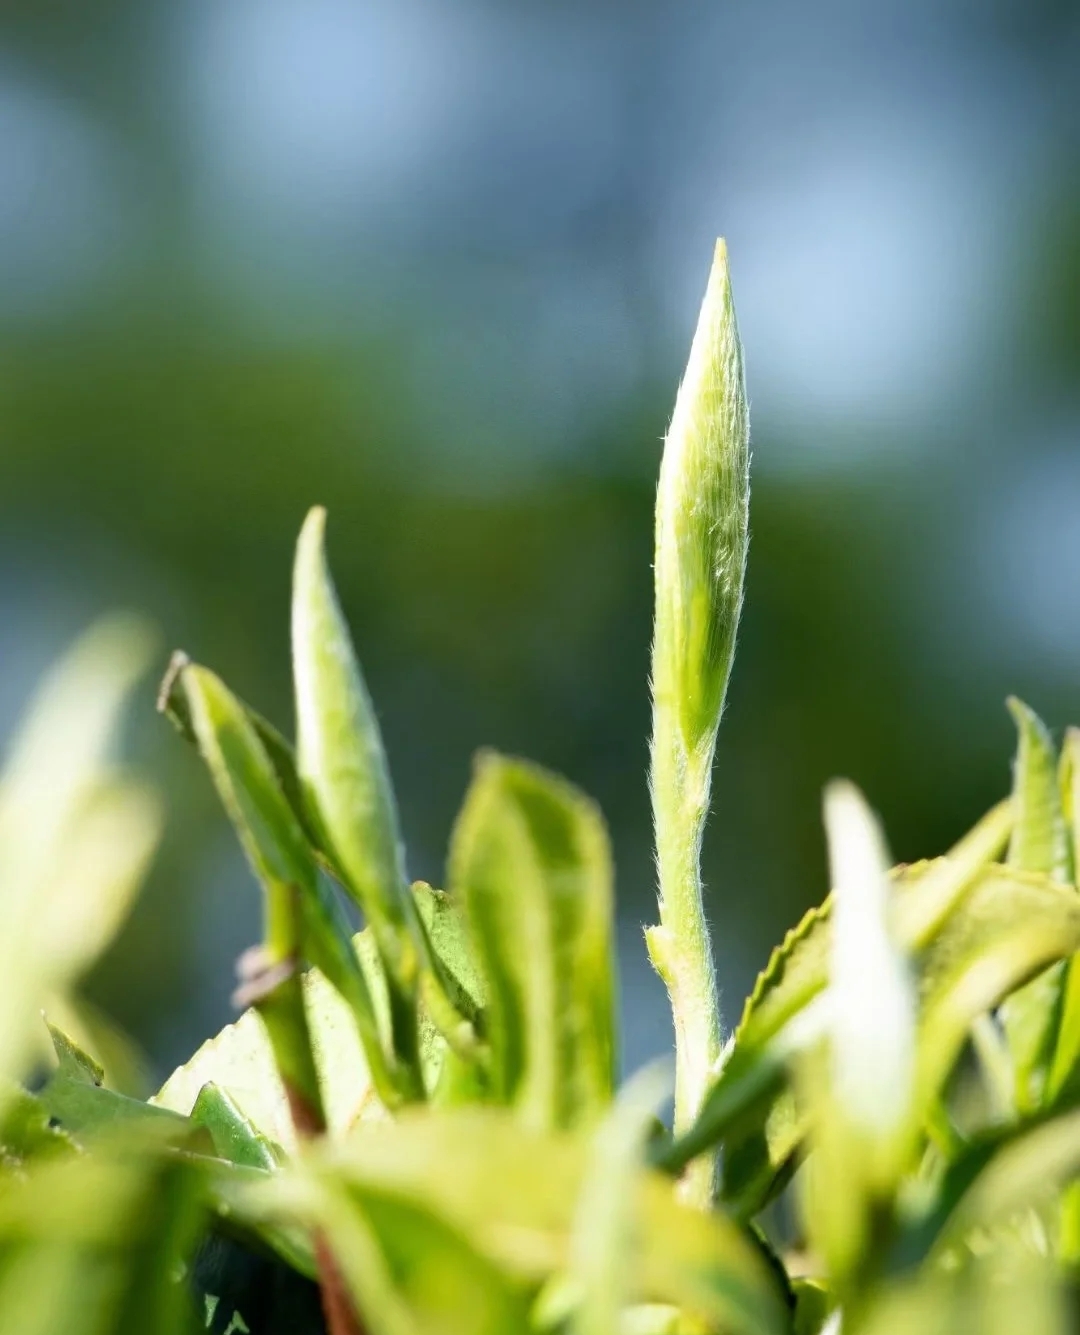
(604, 1238)
(239, 1060)
(76, 1098)
(74, 842)
(1016, 920)
(97, 1244)
(859, 1086)
(512, 1193)
(279, 854)
(234, 1137)
(1065, 1066)
(1040, 842)
(531, 866)
(983, 1304)
(27, 1131)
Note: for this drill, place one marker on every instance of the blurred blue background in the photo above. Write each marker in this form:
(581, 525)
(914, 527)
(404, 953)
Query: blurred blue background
(437, 266)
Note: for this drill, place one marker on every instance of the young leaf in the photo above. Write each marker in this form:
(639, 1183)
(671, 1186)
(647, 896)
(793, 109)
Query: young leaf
(299, 911)
(234, 1137)
(280, 858)
(1065, 1067)
(73, 843)
(75, 1097)
(345, 777)
(982, 977)
(95, 1244)
(701, 544)
(873, 999)
(1020, 1168)
(239, 1060)
(531, 866)
(859, 1086)
(748, 1107)
(603, 1241)
(1040, 840)
(511, 1192)
(1041, 843)
(173, 703)
(922, 911)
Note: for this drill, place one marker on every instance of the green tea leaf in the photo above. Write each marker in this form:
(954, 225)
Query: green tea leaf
(27, 1131)
(1065, 1067)
(603, 1241)
(344, 772)
(235, 1138)
(702, 506)
(530, 864)
(95, 1244)
(748, 1105)
(279, 855)
(74, 841)
(512, 1191)
(240, 1061)
(872, 999)
(928, 901)
(173, 703)
(1040, 842)
(76, 1098)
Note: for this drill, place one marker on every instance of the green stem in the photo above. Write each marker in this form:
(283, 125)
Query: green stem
(680, 947)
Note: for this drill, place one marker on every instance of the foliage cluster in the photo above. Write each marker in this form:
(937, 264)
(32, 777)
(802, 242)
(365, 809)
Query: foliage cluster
(419, 1128)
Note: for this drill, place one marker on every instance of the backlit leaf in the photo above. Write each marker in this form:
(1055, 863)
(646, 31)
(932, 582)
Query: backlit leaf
(531, 867)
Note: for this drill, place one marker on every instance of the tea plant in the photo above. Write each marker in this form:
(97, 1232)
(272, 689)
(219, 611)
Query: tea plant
(419, 1129)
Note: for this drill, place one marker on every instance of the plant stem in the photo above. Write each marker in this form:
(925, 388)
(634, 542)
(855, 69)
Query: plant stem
(275, 989)
(701, 539)
(680, 947)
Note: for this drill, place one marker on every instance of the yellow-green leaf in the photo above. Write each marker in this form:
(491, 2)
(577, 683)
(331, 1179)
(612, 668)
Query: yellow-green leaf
(531, 866)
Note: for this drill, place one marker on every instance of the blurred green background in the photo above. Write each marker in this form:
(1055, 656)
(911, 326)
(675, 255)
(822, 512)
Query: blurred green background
(436, 265)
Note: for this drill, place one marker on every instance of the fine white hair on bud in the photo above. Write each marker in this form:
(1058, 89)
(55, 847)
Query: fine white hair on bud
(701, 539)
(702, 523)
(872, 996)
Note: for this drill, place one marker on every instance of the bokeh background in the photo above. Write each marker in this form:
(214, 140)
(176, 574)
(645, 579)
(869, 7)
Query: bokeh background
(437, 265)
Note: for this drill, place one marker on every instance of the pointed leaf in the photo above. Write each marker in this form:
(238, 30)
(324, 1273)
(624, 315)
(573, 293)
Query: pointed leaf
(75, 1098)
(235, 1138)
(1040, 842)
(872, 998)
(73, 844)
(603, 1241)
(530, 864)
(341, 759)
(173, 703)
(991, 921)
(27, 1131)
(512, 1193)
(1065, 1067)
(279, 855)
